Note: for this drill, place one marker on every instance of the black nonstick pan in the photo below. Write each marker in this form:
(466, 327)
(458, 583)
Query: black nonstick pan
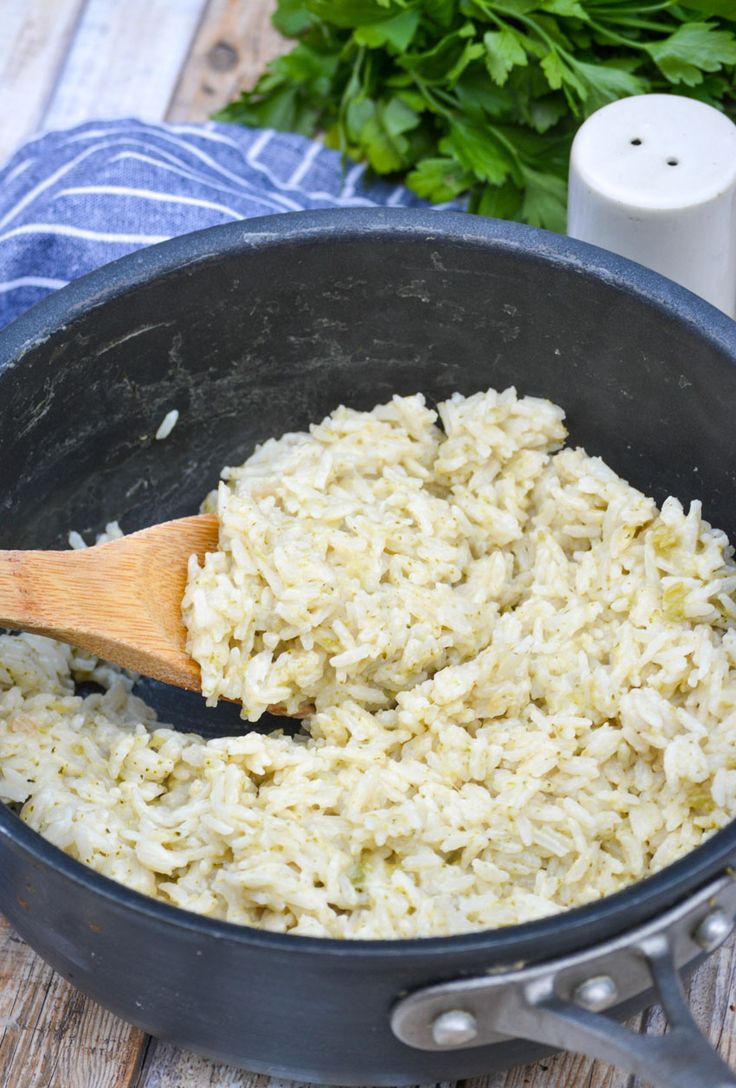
(256, 328)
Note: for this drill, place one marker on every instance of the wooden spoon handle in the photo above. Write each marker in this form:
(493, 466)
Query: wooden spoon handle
(45, 592)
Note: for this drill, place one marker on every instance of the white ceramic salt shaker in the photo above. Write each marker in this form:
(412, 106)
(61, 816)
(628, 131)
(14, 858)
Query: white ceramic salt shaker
(653, 178)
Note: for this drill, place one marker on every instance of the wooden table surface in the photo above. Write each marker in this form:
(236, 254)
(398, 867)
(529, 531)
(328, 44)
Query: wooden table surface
(67, 61)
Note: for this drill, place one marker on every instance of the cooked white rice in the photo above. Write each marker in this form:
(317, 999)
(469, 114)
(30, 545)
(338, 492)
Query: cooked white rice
(167, 424)
(357, 560)
(525, 677)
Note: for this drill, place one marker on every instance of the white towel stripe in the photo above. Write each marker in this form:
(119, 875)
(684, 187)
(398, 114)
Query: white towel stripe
(148, 194)
(347, 196)
(313, 194)
(45, 184)
(353, 176)
(285, 202)
(17, 171)
(165, 135)
(203, 157)
(31, 281)
(261, 141)
(206, 132)
(257, 146)
(194, 175)
(67, 231)
(304, 165)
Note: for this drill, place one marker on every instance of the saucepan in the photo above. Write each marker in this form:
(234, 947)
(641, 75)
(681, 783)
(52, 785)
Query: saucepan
(256, 328)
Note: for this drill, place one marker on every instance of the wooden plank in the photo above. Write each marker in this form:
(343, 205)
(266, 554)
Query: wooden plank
(168, 1067)
(34, 36)
(124, 61)
(234, 42)
(712, 994)
(51, 1036)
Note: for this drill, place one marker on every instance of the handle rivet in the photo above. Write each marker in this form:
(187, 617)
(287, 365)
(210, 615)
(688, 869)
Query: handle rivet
(713, 930)
(454, 1027)
(596, 993)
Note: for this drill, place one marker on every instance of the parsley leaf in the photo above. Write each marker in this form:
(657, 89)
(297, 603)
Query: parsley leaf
(480, 99)
(694, 48)
(504, 50)
(397, 31)
(440, 179)
(476, 149)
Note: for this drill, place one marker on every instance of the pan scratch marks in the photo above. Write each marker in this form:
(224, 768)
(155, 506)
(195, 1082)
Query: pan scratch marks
(131, 336)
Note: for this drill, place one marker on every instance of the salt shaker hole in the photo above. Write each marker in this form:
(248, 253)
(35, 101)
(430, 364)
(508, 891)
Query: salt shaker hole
(636, 141)
(673, 162)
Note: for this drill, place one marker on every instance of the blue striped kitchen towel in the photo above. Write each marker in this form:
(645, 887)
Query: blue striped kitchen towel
(73, 200)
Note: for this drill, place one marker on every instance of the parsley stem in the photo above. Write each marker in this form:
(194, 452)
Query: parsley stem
(430, 98)
(615, 15)
(453, 102)
(491, 15)
(639, 24)
(509, 147)
(606, 11)
(533, 25)
(630, 43)
(352, 88)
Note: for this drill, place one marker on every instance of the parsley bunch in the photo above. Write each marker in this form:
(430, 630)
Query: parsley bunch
(482, 97)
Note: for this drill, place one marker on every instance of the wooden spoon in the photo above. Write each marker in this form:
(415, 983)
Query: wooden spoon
(120, 600)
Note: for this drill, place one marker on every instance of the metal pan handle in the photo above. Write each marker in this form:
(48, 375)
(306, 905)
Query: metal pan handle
(567, 1003)
(683, 1058)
